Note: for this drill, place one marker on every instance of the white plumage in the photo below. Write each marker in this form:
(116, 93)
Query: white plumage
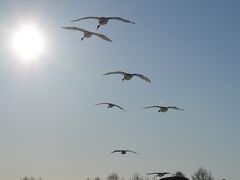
(104, 20)
(124, 151)
(128, 76)
(164, 108)
(110, 105)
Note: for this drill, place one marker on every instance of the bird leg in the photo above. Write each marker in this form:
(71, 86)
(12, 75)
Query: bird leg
(98, 26)
(82, 38)
(123, 79)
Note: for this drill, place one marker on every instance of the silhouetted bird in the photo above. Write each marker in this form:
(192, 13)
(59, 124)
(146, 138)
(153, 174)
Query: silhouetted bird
(104, 20)
(128, 76)
(159, 174)
(124, 151)
(110, 105)
(88, 34)
(164, 108)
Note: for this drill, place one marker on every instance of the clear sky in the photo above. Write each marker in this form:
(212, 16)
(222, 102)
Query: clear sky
(49, 125)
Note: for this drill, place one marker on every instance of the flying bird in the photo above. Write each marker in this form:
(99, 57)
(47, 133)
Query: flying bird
(124, 151)
(88, 34)
(159, 174)
(128, 76)
(164, 108)
(104, 20)
(110, 105)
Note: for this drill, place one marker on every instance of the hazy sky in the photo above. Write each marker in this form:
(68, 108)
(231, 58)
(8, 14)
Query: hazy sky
(49, 125)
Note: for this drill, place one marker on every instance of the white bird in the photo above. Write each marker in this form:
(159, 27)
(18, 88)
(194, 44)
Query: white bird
(128, 76)
(104, 20)
(159, 174)
(164, 108)
(124, 151)
(88, 34)
(110, 105)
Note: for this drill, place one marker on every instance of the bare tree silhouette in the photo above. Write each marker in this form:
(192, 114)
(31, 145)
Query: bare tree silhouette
(113, 176)
(97, 178)
(30, 178)
(202, 174)
(136, 176)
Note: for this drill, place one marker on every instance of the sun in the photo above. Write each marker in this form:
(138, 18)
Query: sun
(28, 43)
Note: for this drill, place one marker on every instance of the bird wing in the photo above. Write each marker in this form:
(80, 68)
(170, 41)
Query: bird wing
(75, 28)
(101, 103)
(176, 108)
(131, 151)
(116, 151)
(119, 107)
(102, 36)
(142, 77)
(88, 17)
(115, 72)
(152, 173)
(162, 174)
(121, 19)
(152, 107)
(159, 174)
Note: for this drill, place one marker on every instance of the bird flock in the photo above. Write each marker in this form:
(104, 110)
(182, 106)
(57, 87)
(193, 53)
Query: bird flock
(126, 76)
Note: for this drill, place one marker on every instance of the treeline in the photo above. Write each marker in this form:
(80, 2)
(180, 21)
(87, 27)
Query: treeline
(200, 174)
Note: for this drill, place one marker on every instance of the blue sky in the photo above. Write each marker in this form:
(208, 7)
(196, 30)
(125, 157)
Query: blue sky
(49, 125)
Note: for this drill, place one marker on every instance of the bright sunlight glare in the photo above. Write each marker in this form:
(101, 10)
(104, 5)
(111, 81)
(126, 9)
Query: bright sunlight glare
(28, 43)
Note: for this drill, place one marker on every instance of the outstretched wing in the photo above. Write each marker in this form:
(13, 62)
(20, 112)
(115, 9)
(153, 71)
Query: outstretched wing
(116, 151)
(102, 36)
(162, 174)
(142, 77)
(152, 173)
(119, 107)
(101, 103)
(121, 19)
(131, 151)
(115, 72)
(159, 174)
(176, 108)
(76, 29)
(88, 17)
(152, 107)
